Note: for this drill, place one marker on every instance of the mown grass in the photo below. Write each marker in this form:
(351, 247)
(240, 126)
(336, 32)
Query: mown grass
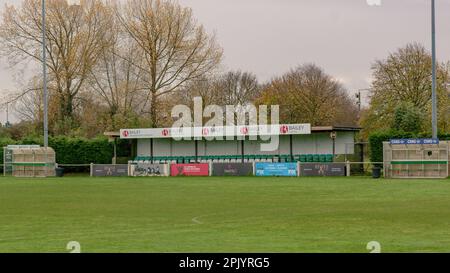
(224, 214)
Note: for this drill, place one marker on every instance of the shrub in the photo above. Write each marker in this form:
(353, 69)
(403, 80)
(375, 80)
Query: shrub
(376, 142)
(81, 151)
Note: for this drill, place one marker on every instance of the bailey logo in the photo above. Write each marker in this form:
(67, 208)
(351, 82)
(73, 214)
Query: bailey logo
(205, 131)
(244, 130)
(180, 170)
(284, 129)
(125, 133)
(165, 132)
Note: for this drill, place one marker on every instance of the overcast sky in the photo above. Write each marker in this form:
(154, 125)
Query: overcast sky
(268, 37)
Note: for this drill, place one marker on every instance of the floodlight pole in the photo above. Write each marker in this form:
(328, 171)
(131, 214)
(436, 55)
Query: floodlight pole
(433, 86)
(359, 99)
(7, 114)
(44, 72)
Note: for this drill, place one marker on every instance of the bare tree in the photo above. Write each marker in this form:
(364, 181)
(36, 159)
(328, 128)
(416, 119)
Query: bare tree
(204, 87)
(230, 88)
(237, 88)
(28, 105)
(176, 49)
(75, 36)
(118, 80)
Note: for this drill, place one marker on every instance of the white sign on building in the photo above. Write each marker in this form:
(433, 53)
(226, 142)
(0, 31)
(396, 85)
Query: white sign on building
(222, 131)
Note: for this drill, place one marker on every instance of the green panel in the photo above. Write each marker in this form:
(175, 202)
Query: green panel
(35, 164)
(423, 170)
(438, 162)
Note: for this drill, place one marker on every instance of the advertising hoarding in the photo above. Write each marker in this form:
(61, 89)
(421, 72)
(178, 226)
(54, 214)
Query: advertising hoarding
(232, 169)
(322, 169)
(217, 131)
(189, 169)
(110, 170)
(276, 169)
(148, 169)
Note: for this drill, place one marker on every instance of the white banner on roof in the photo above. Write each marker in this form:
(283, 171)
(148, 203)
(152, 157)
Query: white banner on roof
(222, 131)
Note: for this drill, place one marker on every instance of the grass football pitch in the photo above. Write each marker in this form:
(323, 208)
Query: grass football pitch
(224, 214)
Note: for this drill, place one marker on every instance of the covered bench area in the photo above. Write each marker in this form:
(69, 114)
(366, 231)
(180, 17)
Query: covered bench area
(297, 143)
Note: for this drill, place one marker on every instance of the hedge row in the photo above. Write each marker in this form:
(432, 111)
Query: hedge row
(376, 141)
(76, 150)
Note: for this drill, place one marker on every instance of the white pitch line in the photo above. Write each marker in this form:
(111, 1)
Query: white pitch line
(195, 220)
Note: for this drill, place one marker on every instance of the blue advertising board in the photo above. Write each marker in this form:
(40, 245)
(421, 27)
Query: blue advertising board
(415, 141)
(275, 169)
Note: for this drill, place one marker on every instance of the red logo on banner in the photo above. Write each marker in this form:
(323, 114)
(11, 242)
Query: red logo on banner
(125, 133)
(244, 130)
(205, 131)
(284, 129)
(165, 132)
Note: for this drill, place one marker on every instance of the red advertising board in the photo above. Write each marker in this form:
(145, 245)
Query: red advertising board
(189, 169)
